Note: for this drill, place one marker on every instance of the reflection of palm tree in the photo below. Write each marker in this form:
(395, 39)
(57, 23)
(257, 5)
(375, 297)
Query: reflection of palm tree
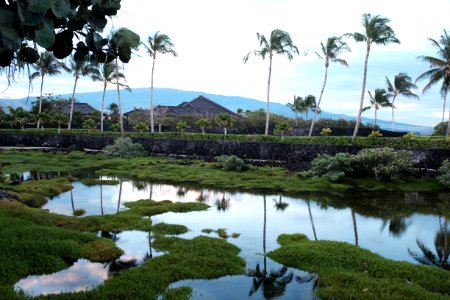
(223, 204)
(280, 205)
(441, 243)
(355, 227)
(150, 194)
(273, 283)
(312, 221)
(120, 196)
(71, 201)
(201, 197)
(101, 196)
(150, 253)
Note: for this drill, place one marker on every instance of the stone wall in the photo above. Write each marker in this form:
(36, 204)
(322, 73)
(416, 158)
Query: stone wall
(291, 156)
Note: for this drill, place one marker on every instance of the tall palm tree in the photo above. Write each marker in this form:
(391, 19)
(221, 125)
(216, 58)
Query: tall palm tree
(402, 86)
(330, 53)
(120, 45)
(78, 68)
(378, 32)
(310, 103)
(377, 100)
(279, 42)
(47, 64)
(158, 43)
(439, 70)
(107, 75)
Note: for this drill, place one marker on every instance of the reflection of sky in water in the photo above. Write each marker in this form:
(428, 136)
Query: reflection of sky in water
(244, 214)
(79, 277)
(83, 274)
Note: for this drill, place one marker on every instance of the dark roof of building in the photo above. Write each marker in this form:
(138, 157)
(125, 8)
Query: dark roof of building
(198, 106)
(84, 108)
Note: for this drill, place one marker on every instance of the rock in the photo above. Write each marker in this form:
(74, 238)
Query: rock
(8, 195)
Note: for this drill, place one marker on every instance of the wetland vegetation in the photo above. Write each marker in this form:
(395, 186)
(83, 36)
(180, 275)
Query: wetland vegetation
(195, 246)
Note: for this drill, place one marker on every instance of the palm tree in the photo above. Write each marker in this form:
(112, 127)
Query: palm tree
(378, 100)
(78, 68)
(330, 53)
(158, 43)
(120, 44)
(224, 120)
(47, 64)
(280, 42)
(402, 86)
(107, 75)
(376, 31)
(439, 70)
(310, 103)
(298, 107)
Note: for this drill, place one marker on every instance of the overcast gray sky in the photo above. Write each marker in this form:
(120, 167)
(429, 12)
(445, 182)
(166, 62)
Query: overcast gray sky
(212, 37)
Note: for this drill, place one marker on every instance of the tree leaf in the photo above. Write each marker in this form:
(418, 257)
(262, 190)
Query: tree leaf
(40, 6)
(61, 8)
(45, 37)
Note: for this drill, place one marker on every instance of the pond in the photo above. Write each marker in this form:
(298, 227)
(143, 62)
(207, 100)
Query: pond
(398, 226)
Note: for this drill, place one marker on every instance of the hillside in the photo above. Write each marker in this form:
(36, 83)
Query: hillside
(140, 97)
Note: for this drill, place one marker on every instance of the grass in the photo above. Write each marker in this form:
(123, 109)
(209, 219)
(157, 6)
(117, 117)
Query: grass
(349, 272)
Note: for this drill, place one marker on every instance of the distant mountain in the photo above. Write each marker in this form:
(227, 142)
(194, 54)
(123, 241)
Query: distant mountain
(140, 98)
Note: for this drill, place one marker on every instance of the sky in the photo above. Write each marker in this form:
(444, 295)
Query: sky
(212, 37)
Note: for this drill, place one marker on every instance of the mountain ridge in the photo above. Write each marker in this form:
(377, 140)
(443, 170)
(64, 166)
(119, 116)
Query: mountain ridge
(140, 98)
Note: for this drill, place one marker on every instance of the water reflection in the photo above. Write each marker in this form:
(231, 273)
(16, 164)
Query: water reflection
(82, 276)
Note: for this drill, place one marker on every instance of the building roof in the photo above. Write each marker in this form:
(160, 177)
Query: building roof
(84, 108)
(200, 106)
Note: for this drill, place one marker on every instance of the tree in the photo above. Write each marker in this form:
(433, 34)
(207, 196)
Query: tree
(59, 118)
(279, 42)
(107, 74)
(18, 116)
(378, 100)
(402, 86)
(160, 113)
(158, 43)
(47, 64)
(141, 126)
(120, 45)
(310, 104)
(53, 25)
(439, 70)
(298, 107)
(203, 123)
(78, 68)
(282, 128)
(89, 124)
(378, 32)
(181, 126)
(333, 47)
(224, 120)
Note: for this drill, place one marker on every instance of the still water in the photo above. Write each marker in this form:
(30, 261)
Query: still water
(390, 224)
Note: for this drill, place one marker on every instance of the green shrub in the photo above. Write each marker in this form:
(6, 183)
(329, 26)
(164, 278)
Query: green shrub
(375, 133)
(181, 126)
(444, 173)
(385, 164)
(440, 129)
(230, 162)
(141, 126)
(124, 147)
(325, 131)
(331, 167)
(409, 135)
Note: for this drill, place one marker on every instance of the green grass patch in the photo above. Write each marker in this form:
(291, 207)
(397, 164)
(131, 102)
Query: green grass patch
(349, 272)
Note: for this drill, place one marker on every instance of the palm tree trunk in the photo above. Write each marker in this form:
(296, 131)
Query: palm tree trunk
(118, 99)
(152, 122)
(313, 120)
(312, 221)
(102, 118)
(443, 108)
(72, 103)
(225, 131)
(355, 228)
(448, 127)
(264, 235)
(358, 121)
(40, 100)
(266, 131)
(393, 119)
(375, 123)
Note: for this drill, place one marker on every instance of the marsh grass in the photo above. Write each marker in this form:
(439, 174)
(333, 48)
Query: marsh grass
(349, 272)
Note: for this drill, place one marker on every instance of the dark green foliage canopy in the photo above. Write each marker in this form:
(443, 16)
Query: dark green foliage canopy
(52, 24)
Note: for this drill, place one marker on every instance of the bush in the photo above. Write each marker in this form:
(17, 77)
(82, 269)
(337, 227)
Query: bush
(385, 164)
(325, 131)
(444, 173)
(230, 162)
(440, 129)
(409, 135)
(375, 133)
(124, 147)
(331, 167)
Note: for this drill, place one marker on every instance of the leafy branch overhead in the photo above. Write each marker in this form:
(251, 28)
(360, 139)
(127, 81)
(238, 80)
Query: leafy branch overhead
(53, 25)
